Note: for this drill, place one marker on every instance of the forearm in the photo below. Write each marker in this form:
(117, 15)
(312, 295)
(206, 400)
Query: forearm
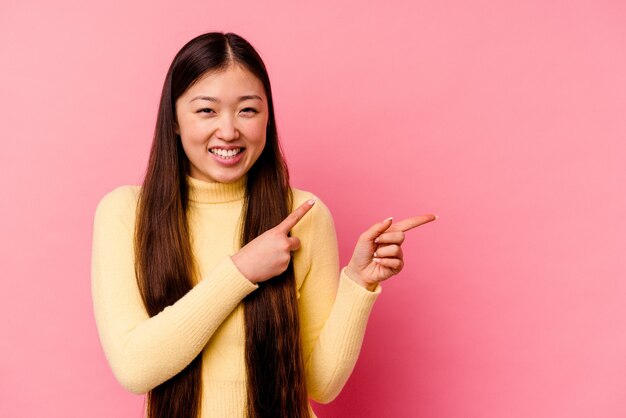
(143, 351)
(337, 349)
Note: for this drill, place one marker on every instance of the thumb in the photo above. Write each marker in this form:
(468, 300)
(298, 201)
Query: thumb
(375, 230)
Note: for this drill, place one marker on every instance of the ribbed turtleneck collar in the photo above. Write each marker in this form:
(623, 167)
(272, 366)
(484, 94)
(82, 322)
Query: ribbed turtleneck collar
(202, 191)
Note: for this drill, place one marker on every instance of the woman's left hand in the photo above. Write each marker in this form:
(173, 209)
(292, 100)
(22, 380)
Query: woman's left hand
(378, 253)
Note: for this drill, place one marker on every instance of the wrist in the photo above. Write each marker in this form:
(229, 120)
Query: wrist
(238, 265)
(356, 277)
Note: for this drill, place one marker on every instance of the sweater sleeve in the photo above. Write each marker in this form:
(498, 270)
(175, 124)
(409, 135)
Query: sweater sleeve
(145, 351)
(334, 311)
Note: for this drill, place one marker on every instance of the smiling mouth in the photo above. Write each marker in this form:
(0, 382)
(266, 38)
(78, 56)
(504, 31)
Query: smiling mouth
(227, 154)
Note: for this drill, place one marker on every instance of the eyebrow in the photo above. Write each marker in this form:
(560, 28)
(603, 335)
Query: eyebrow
(216, 100)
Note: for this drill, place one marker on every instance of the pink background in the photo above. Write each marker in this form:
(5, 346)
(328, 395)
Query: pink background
(507, 119)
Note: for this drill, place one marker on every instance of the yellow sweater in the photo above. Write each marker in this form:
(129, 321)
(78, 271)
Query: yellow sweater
(145, 351)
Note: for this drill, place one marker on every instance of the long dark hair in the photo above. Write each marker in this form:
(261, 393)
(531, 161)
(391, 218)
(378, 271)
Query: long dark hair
(274, 366)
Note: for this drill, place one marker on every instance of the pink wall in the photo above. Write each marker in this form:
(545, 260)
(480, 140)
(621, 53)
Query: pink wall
(507, 119)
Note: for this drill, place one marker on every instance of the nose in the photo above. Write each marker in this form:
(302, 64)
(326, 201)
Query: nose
(227, 129)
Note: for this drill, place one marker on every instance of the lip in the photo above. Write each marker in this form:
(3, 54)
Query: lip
(230, 161)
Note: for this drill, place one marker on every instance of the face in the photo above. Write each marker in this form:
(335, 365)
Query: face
(222, 121)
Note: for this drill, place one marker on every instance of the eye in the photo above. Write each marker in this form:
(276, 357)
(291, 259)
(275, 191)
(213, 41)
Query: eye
(206, 110)
(249, 110)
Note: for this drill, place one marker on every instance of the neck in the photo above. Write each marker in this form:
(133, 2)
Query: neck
(208, 192)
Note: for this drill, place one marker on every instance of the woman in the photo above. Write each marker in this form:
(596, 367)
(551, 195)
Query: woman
(215, 291)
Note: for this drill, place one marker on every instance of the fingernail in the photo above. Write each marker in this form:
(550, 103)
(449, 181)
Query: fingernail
(391, 217)
(312, 200)
(376, 240)
(375, 255)
(436, 216)
(376, 260)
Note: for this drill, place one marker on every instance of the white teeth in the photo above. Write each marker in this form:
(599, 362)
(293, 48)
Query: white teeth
(225, 153)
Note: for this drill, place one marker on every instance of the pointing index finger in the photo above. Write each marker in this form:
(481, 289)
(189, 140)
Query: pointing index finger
(294, 217)
(410, 223)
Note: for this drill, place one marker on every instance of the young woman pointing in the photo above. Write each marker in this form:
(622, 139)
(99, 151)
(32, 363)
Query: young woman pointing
(216, 285)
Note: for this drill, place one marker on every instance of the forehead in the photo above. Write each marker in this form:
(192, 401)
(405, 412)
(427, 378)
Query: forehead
(233, 81)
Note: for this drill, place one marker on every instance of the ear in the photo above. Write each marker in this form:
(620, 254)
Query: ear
(176, 128)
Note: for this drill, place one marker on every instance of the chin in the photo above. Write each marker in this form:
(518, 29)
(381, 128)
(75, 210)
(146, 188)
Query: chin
(227, 178)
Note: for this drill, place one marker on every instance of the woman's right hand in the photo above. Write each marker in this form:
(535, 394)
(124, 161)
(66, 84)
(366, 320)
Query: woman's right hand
(268, 255)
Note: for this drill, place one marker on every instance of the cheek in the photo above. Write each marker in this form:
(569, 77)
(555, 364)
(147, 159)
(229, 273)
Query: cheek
(193, 133)
(192, 139)
(188, 141)
(256, 133)
(189, 149)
